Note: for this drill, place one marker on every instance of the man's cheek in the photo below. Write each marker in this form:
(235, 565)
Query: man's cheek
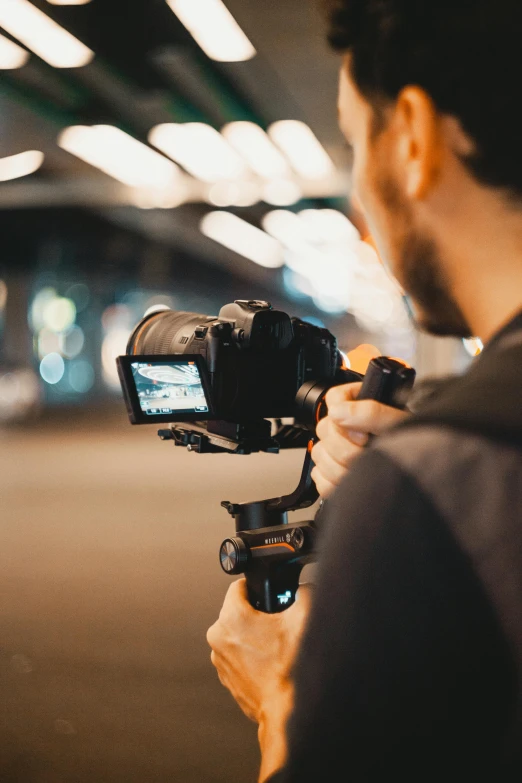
(378, 225)
(359, 195)
(367, 203)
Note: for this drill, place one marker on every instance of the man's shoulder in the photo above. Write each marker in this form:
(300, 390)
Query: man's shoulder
(433, 449)
(461, 423)
(483, 402)
(466, 475)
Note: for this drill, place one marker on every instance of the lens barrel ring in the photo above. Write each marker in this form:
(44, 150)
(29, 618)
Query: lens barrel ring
(159, 333)
(310, 406)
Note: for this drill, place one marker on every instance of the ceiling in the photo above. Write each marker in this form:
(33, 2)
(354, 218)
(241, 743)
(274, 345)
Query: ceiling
(148, 69)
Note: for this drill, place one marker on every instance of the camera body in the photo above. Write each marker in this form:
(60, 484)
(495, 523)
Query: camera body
(252, 361)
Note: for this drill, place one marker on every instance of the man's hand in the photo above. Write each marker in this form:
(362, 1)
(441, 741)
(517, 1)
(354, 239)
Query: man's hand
(344, 433)
(254, 653)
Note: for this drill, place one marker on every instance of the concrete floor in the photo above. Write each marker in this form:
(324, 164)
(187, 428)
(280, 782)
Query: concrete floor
(109, 579)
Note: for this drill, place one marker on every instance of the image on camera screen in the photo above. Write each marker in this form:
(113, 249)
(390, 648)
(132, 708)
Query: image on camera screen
(169, 388)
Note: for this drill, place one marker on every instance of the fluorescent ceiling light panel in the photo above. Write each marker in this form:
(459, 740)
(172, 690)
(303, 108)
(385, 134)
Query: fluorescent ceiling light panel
(214, 28)
(286, 227)
(282, 192)
(234, 194)
(42, 35)
(11, 55)
(243, 238)
(329, 226)
(200, 149)
(119, 155)
(256, 148)
(302, 148)
(20, 165)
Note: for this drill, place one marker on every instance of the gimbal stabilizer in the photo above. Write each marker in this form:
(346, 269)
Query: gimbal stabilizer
(268, 549)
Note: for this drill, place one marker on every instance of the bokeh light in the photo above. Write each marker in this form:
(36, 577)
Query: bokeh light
(59, 313)
(71, 342)
(40, 301)
(114, 345)
(159, 300)
(48, 342)
(52, 368)
(282, 192)
(328, 226)
(473, 345)
(80, 295)
(118, 321)
(81, 375)
(19, 393)
(117, 315)
(234, 194)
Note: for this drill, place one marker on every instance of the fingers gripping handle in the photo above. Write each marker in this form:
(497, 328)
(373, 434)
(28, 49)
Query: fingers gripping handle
(388, 381)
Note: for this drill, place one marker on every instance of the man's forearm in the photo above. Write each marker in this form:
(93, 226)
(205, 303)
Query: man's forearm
(272, 735)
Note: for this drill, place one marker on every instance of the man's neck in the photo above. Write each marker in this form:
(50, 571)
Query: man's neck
(485, 263)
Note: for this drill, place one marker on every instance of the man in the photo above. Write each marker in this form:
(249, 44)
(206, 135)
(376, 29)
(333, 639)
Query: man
(406, 658)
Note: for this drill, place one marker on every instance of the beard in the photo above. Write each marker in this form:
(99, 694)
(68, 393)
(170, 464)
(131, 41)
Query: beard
(420, 272)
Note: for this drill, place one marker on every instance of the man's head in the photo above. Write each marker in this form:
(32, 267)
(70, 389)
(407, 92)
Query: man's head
(428, 100)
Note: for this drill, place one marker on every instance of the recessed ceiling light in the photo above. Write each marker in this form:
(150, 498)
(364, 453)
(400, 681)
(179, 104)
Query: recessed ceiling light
(302, 148)
(20, 165)
(243, 238)
(119, 155)
(42, 35)
(200, 149)
(214, 28)
(11, 55)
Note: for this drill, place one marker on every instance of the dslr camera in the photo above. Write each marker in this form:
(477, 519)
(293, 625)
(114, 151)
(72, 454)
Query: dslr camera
(225, 384)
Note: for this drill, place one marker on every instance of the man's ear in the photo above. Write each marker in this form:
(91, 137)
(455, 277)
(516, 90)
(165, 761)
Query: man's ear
(420, 141)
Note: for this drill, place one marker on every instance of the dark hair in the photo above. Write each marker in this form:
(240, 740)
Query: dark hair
(466, 54)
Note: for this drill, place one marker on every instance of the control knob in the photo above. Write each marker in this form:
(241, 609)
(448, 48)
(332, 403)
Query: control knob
(233, 555)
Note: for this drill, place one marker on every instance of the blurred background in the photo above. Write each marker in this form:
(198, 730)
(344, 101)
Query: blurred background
(152, 152)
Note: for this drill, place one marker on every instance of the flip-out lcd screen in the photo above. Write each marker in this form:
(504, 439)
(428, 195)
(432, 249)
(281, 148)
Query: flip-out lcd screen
(169, 388)
(164, 389)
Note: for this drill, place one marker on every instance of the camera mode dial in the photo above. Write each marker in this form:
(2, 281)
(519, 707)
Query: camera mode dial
(233, 555)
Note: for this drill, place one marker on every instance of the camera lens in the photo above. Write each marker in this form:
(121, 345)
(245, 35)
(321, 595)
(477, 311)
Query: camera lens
(165, 332)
